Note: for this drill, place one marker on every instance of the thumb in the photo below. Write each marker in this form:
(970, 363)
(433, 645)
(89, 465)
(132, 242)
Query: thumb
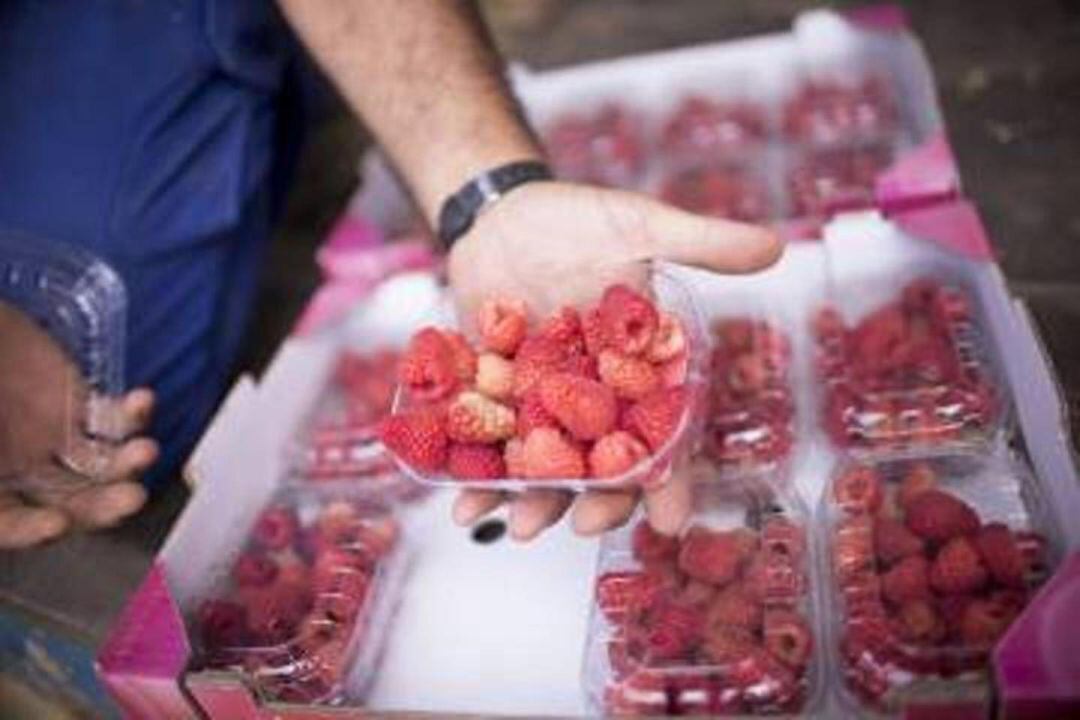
(709, 243)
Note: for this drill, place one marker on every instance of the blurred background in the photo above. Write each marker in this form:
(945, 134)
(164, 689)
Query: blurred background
(1008, 78)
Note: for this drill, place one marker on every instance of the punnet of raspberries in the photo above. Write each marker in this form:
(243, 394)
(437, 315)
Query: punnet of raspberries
(925, 585)
(749, 414)
(911, 376)
(703, 129)
(828, 112)
(606, 146)
(821, 181)
(598, 394)
(721, 190)
(714, 622)
(296, 606)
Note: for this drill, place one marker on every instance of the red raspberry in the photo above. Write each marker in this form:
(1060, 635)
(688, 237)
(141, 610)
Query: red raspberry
(277, 528)
(546, 454)
(773, 583)
(656, 417)
(697, 593)
(418, 437)
(727, 644)
(650, 546)
(919, 478)
(1000, 554)
(623, 594)
(462, 355)
(984, 622)
(957, 569)
(629, 320)
(734, 606)
(502, 324)
(1032, 547)
(858, 489)
(586, 408)
(671, 630)
(475, 462)
(222, 624)
(428, 369)
(893, 541)
(494, 376)
(735, 335)
(937, 516)
(862, 594)
(783, 541)
(712, 556)
(531, 414)
(582, 365)
(919, 622)
(341, 593)
(616, 453)
(853, 546)
(592, 332)
(907, 580)
(951, 608)
(564, 328)
(536, 358)
(669, 341)
(292, 570)
(514, 458)
(788, 638)
(475, 418)
(274, 611)
(254, 569)
(749, 373)
(630, 378)
(379, 535)
(338, 523)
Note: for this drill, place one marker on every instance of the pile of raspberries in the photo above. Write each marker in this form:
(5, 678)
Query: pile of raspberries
(750, 410)
(927, 587)
(586, 394)
(713, 622)
(604, 147)
(294, 612)
(909, 375)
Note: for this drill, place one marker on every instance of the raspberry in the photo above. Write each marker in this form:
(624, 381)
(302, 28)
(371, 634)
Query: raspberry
(957, 569)
(428, 368)
(341, 593)
(671, 631)
(630, 378)
(853, 546)
(276, 528)
(828, 326)
(735, 335)
(564, 329)
(858, 489)
(712, 556)
(772, 583)
(494, 376)
(749, 373)
(536, 358)
(788, 638)
(502, 324)
(726, 644)
(475, 462)
(293, 571)
(274, 611)
(418, 437)
(254, 569)
(514, 457)
(379, 535)
(462, 355)
(1000, 554)
(672, 373)
(531, 414)
(984, 621)
(338, 523)
(893, 541)
(475, 418)
(586, 408)
(907, 580)
(669, 341)
(783, 541)
(734, 606)
(919, 478)
(615, 453)
(656, 416)
(936, 516)
(650, 546)
(695, 592)
(919, 622)
(592, 332)
(222, 624)
(628, 320)
(547, 454)
(622, 594)
(582, 365)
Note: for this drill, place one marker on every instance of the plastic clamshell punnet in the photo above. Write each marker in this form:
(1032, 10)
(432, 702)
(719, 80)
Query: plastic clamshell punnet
(74, 300)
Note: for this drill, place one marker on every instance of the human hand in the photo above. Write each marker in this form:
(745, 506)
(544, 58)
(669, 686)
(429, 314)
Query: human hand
(555, 243)
(42, 443)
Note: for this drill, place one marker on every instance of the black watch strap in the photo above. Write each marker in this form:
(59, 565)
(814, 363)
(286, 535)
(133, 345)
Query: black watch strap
(461, 209)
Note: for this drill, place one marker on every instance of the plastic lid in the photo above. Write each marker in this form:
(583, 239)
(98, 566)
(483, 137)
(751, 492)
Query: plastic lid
(62, 318)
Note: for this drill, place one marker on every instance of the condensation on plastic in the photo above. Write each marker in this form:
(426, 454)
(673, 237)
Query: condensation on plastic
(950, 400)
(900, 673)
(672, 296)
(80, 303)
(315, 631)
(618, 677)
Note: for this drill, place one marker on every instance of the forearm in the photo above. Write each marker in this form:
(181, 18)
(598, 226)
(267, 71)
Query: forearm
(425, 78)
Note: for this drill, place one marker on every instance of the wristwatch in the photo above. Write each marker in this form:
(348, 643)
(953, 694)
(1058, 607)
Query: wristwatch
(461, 209)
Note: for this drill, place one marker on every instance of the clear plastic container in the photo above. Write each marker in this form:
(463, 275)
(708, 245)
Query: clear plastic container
(604, 145)
(905, 367)
(841, 107)
(675, 387)
(55, 296)
(750, 420)
(737, 191)
(919, 588)
(719, 621)
(702, 127)
(307, 602)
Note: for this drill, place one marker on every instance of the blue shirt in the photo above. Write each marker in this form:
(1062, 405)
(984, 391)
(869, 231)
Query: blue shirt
(148, 132)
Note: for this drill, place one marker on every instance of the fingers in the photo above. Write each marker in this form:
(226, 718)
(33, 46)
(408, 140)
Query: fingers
(132, 460)
(22, 526)
(709, 243)
(599, 511)
(669, 505)
(472, 505)
(104, 505)
(136, 410)
(535, 510)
